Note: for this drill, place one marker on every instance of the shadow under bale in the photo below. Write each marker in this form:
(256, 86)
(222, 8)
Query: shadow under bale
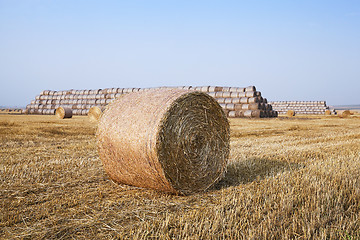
(250, 170)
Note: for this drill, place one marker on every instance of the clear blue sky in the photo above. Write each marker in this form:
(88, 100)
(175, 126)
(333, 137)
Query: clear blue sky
(290, 50)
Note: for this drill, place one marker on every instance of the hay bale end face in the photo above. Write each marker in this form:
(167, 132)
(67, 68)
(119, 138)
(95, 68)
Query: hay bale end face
(95, 113)
(62, 112)
(344, 114)
(173, 140)
(290, 113)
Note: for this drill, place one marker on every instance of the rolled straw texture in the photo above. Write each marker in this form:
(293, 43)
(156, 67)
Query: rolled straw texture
(172, 140)
(290, 113)
(62, 113)
(95, 113)
(344, 114)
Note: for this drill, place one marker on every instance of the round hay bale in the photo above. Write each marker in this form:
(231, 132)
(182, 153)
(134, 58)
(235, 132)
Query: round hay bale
(218, 94)
(290, 113)
(231, 114)
(263, 114)
(230, 106)
(242, 94)
(62, 113)
(238, 107)
(204, 89)
(244, 100)
(235, 100)
(240, 89)
(252, 106)
(212, 94)
(107, 101)
(233, 89)
(254, 100)
(252, 113)
(95, 113)
(226, 94)
(226, 89)
(250, 89)
(228, 100)
(250, 94)
(327, 112)
(235, 114)
(344, 114)
(91, 101)
(215, 89)
(171, 140)
(234, 94)
(220, 100)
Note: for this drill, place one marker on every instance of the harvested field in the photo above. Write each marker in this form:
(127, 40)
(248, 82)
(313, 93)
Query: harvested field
(293, 177)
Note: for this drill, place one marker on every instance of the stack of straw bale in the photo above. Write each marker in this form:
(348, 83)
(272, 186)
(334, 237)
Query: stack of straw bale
(235, 101)
(300, 107)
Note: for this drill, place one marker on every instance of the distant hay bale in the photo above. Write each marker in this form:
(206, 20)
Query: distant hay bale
(242, 94)
(254, 100)
(62, 113)
(226, 94)
(215, 89)
(250, 94)
(344, 114)
(290, 113)
(236, 100)
(172, 140)
(235, 114)
(327, 112)
(250, 89)
(244, 100)
(252, 113)
(220, 100)
(228, 100)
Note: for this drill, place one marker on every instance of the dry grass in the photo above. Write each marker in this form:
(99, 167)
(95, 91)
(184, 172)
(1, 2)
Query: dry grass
(288, 178)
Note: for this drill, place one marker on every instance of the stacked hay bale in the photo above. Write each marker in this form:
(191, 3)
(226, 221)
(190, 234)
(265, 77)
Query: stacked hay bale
(300, 107)
(240, 101)
(235, 101)
(80, 101)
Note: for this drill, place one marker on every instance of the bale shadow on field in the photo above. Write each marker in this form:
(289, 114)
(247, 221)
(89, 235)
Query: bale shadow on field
(242, 172)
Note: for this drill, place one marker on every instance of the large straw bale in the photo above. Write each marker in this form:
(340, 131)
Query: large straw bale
(171, 140)
(62, 113)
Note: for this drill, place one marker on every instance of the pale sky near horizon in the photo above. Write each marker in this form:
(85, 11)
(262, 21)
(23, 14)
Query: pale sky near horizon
(290, 50)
